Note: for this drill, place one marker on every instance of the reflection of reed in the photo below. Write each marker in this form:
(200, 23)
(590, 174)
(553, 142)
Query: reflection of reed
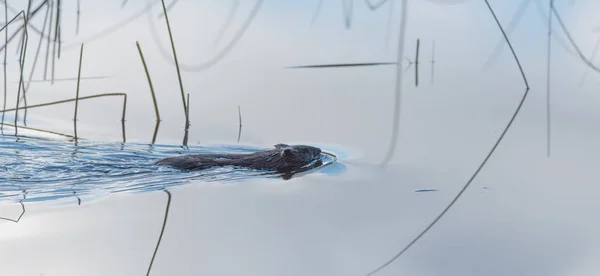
(587, 68)
(4, 64)
(343, 65)
(417, 64)
(216, 58)
(162, 231)
(74, 79)
(115, 27)
(225, 27)
(21, 61)
(22, 211)
(398, 87)
(514, 22)
(375, 6)
(464, 188)
(169, 8)
(57, 36)
(572, 42)
(78, 17)
(35, 59)
(31, 16)
(51, 7)
(347, 9)
(317, 11)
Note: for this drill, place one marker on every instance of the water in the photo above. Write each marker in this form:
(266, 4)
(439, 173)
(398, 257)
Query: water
(524, 214)
(34, 169)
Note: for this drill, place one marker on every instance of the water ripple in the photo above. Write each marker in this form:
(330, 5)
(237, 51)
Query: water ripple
(33, 169)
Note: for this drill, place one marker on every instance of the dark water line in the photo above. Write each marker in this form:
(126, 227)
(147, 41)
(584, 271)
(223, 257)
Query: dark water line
(464, 188)
(162, 231)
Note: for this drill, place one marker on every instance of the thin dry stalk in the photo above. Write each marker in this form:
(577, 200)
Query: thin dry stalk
(77, 91)
(187, 121)
(174, 56)
(149, 82)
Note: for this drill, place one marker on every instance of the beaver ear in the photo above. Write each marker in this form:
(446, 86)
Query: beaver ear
(280, 146)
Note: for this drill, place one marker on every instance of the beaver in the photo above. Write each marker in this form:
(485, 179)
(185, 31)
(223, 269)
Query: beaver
(283, 159)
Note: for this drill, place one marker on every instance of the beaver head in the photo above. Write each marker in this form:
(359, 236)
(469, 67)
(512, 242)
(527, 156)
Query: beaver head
(297, 156)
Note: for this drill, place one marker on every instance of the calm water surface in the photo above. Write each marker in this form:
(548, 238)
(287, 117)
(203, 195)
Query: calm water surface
(101, 207)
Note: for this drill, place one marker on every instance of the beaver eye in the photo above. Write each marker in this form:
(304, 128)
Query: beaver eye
(286, 153)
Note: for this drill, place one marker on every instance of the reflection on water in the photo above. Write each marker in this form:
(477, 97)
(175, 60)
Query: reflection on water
(48, 170)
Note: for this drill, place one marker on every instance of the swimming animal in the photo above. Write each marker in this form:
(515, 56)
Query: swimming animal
(283, 159)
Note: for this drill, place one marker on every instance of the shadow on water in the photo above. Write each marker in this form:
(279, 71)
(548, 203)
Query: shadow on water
(51, 170)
